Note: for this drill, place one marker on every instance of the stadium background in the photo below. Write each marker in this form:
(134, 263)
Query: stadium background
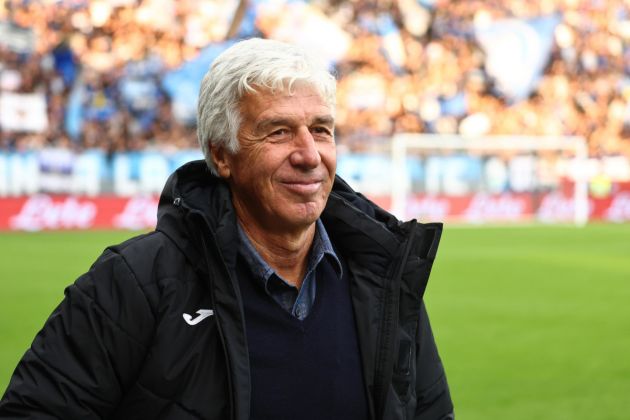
(97, 106)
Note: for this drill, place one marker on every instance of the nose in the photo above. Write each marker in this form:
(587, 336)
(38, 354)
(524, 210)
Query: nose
(306, 153)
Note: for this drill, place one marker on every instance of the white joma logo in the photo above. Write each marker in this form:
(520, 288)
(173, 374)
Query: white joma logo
(203, 314)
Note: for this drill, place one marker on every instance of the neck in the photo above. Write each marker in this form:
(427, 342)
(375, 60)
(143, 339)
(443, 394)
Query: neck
(285, 252)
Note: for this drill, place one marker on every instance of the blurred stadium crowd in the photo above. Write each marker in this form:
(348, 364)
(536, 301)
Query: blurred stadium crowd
(115, 74)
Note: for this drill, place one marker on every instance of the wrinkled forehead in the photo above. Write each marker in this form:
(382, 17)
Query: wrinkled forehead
(299, 102)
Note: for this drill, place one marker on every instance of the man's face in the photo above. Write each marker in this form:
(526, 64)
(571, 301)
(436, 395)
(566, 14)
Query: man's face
(283, 172)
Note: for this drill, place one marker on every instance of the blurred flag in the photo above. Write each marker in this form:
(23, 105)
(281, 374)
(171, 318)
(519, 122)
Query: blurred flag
(99, 102)
(23, 112)
(243, 23)
(65, 63)
(305, 25)
(517, 51)
(392, 44)
(139, 89)
(182, 85)
(73, 119)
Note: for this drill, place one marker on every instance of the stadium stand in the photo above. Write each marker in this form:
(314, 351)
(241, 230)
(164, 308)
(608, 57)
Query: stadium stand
(104, 74)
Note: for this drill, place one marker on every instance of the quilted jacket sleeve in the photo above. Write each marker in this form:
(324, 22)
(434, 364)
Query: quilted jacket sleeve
(434, 399)
(89, 350)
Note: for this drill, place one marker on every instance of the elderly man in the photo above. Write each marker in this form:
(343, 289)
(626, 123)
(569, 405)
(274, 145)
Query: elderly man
(269, 289)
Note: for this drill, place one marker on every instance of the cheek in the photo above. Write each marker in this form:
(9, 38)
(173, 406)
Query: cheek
(329, 158)
(250, 166)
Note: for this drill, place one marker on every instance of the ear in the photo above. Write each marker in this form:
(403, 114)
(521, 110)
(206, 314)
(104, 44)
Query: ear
(221, 161)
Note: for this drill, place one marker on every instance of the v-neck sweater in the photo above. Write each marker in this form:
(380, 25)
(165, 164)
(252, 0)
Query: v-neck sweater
(304, 369)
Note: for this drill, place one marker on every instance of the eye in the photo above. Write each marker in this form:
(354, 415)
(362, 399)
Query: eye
(280, 134)
(321, 132)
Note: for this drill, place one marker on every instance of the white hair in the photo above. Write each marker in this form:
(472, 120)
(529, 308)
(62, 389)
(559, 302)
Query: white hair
(242, 69)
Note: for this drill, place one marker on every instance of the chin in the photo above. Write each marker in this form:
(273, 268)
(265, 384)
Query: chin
(305, 215)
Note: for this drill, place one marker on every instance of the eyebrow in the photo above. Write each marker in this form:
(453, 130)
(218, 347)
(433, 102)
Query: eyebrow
(324, 120)
(272, 122)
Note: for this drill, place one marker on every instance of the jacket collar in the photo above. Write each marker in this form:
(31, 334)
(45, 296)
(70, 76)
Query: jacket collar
(192, 194)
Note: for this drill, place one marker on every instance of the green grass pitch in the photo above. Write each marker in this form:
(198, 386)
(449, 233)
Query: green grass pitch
(531, 322)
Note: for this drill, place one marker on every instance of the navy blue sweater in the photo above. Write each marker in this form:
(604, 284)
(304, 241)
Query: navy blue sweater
(308, 369)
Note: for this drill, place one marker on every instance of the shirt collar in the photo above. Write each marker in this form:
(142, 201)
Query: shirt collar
(322, 247)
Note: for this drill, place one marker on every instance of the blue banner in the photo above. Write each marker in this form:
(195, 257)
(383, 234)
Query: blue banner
(517, 51)
(182, 85)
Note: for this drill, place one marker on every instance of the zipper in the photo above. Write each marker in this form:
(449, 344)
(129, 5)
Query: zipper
(217, 314)
(388, 329)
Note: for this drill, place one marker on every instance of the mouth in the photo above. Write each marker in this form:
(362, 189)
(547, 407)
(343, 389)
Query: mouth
(305, 187)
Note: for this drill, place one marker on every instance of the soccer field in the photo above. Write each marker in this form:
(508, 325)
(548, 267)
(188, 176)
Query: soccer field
(531, 322)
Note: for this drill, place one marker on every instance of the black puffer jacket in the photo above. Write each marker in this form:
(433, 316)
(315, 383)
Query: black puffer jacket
(118, 347)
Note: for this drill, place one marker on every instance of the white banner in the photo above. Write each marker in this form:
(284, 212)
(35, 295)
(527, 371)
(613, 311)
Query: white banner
(23, 112)
(16, 38)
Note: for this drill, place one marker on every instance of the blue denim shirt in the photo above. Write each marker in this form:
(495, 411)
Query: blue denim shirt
(297, 302)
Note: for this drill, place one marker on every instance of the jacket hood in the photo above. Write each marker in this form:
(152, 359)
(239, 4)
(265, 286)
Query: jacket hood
(195, 205)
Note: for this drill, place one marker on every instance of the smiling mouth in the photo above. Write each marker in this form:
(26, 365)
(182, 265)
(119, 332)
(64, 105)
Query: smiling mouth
(303, 187)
